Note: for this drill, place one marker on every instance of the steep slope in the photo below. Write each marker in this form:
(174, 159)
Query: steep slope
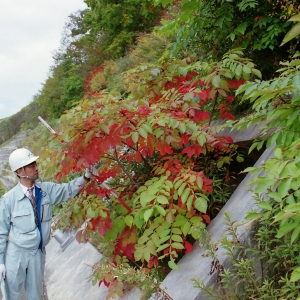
(7, 178)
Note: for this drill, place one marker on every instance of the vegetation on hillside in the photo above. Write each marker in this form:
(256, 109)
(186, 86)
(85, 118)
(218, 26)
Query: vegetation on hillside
(203, 29)
(140, 102)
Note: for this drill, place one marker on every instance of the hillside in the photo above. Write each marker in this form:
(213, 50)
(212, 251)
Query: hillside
(7, 178)
(139, 100)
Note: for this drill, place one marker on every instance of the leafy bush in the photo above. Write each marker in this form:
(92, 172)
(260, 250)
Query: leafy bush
(156, 149)
(260, 268)
(275, 243)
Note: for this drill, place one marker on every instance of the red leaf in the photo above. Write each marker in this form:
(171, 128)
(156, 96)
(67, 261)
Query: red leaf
(178, 114)
(106, 174)
(234, 84)
(102, 229)
(184, 139)
(95, 222)
(138, 156)
(191, 75)
(143, 151)
(204, 94)
(208, 188)
(200, 116)
(72, 154)
(230, 116)
(227, 115)
(107, 284)
(230, 98)
(188, 247)
(190, 151)
(101, 193)
(207, 181)
(144, 110)
(227, 177)
(57, 177)
(150, 141)
(106, 145)
(153, 262)
(198, 150)
(102, 224)
(164, 148)
(206, 218)
(113, 127)
(105, 225)
(129, 250)
(126, 242)
(229, 139)
(78, 236)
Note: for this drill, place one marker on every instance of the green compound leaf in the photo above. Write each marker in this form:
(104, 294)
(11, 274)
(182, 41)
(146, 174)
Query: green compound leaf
(286, 228)
(201, 204)
(148, 213)
(172, 265)
(295, 276)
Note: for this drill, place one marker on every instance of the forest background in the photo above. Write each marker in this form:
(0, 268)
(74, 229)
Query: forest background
(148, 79)
(120, 35)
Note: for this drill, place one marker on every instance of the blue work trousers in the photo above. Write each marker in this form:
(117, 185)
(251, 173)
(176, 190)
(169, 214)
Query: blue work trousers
(24, 266)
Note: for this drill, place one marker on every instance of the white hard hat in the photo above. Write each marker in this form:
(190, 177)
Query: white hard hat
(21, 158)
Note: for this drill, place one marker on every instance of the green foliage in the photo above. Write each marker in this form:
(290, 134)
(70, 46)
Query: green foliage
(156, 147)
(119, 22)
(276, 102)
(85, 44)
(122, 276)
(62, 89)
(275, 241)
(295, 30)
(281, 186)
(25, 119)
(260, 267)
(151, 129)
(148, 49)
(208, 28)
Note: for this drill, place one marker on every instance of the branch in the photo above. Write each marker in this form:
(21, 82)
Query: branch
(214, 107)
(122, 167)
(143, 158)
(109, 157)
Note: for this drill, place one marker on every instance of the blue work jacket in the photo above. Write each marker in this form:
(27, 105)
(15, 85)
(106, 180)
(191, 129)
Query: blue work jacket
(17, 222)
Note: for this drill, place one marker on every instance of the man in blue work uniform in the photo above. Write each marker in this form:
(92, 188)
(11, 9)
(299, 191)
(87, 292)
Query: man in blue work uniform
(25, 224)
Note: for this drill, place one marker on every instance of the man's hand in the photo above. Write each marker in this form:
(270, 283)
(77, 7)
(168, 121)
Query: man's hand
(90, 171)
(2, 272)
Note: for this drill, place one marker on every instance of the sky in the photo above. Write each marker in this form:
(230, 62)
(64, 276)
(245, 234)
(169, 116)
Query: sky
(30, 32)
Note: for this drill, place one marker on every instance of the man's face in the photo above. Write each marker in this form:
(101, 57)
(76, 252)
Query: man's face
(31, 170)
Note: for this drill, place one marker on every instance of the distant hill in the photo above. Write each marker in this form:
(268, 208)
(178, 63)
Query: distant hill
(7, 178)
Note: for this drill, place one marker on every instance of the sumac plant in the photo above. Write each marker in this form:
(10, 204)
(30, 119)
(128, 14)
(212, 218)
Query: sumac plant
(154, 150)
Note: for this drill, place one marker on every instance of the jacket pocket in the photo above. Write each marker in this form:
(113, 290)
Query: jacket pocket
(24, 220)
(46, 212)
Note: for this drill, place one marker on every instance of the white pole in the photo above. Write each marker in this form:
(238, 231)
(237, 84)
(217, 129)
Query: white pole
(54, 132)
(47, 125)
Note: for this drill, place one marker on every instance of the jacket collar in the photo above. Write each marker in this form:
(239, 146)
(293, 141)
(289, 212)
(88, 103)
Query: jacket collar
(38, 184)
(18, 193)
